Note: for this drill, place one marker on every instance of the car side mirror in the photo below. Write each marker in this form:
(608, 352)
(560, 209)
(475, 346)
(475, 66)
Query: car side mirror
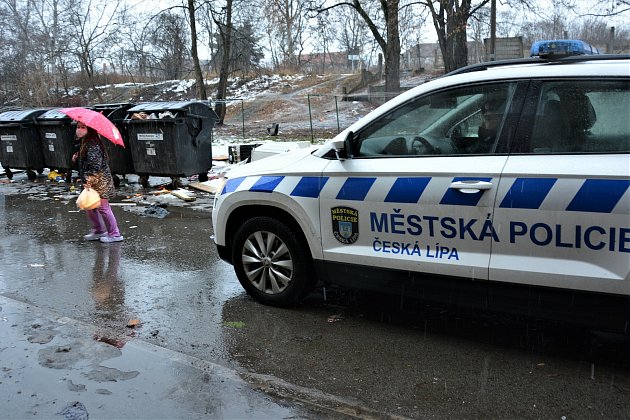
(343, 147)
(348, 145)
(339, 146)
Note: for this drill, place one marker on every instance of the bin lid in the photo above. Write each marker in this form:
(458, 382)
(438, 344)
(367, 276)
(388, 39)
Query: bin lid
(164, 106)
(53, 114)
(114, 112)
(21, 115)
(112, 107)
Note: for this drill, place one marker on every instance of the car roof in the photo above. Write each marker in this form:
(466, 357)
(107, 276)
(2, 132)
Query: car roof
(537, 60)
(582, 66)
(525, 69)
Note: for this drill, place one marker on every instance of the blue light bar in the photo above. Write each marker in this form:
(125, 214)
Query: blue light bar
(561, 48)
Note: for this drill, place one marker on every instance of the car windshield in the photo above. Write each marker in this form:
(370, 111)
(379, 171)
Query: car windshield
(449, 122)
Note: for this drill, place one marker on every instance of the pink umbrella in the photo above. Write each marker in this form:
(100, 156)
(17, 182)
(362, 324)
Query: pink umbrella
(97, 121)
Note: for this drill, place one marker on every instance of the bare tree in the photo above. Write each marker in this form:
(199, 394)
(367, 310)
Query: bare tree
(383, 24)
(34, 63)
(450, 20)
(349, 31)
(200, 83)
(94, 25)
(221, 17)
(287, 27)
(169, 41)
(53, 40)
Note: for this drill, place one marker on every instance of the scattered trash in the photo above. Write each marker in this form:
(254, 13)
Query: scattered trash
(153, 210)
(234, 324)
(75, 411)
(111, 341)
(184, 194)
(160, 192)
(75, 387)
(154, 333)
(37, 265)
(211, 186)
(335, 318)
(132, 227)
(133, 323)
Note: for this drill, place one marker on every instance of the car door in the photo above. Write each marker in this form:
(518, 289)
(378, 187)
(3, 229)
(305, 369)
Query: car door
(417, 191)
(563, 205)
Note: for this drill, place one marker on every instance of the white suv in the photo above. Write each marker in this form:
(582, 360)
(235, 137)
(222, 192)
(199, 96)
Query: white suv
(505, 187)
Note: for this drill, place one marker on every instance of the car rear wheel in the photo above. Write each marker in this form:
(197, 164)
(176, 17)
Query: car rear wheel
(270, 263)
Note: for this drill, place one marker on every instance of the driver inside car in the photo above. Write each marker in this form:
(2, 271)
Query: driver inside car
(491, 112)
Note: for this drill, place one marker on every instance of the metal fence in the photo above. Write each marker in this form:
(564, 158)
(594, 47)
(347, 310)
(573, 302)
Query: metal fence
(313, 117)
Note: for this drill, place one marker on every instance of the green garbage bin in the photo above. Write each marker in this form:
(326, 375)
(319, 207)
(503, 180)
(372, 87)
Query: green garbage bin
(57, 132)
(20, 144)
(120, 159)
(171, 139)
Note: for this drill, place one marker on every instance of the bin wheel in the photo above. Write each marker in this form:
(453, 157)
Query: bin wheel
(203, 177)
(9, 173)
(31, 175)
(69, 176)
(176, 182)
(40, 171)
(144, 180)
(116, 179)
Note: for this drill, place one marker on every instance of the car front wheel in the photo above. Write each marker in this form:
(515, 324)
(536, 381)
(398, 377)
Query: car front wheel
(270, 263)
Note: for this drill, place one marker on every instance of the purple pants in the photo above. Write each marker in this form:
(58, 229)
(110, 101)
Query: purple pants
(103, 220)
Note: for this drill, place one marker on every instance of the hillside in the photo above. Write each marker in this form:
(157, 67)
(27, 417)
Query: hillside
(291, 101)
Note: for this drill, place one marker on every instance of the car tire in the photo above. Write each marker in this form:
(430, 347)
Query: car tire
(270, 262)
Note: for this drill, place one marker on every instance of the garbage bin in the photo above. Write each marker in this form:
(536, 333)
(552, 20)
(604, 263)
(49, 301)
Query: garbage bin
(120, 159)
(171, 139)
(20, 145)
(57, 134)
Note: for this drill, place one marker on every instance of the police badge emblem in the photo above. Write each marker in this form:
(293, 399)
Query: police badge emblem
(345, 224)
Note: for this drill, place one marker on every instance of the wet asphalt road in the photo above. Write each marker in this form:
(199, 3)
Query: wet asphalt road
(369, 356)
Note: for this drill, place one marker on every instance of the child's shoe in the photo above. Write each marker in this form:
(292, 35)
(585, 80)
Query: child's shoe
(93, 236)
(108, 239)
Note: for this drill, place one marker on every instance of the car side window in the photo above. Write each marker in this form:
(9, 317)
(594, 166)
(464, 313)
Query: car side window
(461, 121)
(582, 117)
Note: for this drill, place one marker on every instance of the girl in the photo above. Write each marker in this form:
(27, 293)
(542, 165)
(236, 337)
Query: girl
(95, 173)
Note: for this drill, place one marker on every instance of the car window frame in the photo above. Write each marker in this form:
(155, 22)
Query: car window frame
(507, 126)
(525, 127)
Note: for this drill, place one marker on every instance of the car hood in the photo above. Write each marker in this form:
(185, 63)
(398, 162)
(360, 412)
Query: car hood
(271, 164)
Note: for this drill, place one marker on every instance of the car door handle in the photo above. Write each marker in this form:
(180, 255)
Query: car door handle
(471, 187)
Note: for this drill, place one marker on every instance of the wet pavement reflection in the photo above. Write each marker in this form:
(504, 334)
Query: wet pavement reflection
(165, 274)
(375, 353)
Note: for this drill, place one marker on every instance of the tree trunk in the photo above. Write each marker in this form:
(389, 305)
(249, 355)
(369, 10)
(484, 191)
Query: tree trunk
(450, 25)
(224, 70)
(200, 83)
(390, 45)
(392, 52)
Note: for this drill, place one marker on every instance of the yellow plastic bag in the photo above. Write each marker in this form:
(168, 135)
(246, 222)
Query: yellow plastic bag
(88, 199)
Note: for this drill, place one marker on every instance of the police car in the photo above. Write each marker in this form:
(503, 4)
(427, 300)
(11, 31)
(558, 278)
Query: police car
(502, 186)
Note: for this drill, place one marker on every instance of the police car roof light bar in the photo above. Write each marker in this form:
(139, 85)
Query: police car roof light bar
(561, 48)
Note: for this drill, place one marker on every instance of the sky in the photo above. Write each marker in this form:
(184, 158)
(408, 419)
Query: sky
(429, 35)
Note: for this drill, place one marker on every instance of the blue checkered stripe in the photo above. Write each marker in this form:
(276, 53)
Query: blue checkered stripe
(593, 195)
